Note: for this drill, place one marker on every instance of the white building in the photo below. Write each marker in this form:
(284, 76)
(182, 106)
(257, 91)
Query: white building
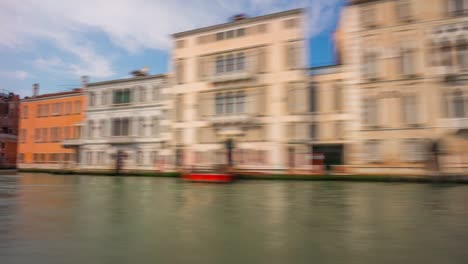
(128, 115)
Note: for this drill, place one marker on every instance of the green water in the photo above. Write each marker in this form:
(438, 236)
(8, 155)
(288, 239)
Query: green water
(86, 219)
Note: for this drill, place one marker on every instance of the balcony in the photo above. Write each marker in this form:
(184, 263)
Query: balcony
(231, 76)
(231, 119)
(71, 143)
(117, 140)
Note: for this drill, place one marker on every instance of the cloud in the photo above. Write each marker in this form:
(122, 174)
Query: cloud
(17, 75)
(71, 27)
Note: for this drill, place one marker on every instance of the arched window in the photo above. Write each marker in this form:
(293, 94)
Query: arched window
(462, 53)
(458, 104)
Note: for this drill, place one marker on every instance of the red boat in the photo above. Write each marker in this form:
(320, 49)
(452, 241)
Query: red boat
(208, 177)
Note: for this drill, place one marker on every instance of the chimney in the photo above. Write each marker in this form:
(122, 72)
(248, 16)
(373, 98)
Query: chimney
(84, 81)
(35, 90)
(238, 17)
(141, 72)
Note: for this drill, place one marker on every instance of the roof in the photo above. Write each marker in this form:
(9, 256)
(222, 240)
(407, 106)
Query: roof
(239, 22)
(73, 92)
(156, 76)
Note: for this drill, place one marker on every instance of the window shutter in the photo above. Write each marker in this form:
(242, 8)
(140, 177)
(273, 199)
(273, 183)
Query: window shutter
(290, 98)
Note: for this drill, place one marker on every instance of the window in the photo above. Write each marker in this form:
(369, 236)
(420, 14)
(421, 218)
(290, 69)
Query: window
(413, 150)
(20, 157)
(372, 151)
(368, 17)
(292, 55)
(230, 34)
(25, 112)
(407, 62)
(457, 7)
(219, 103)
(370, 112)
(141, 126)
(290, 23)
(458, 104)
(77, 107)
(66, 133)
(120, 127)
(90, 128)
(156, 93)
(446, 53)
(403, 10)
(240, 32)
(23, 135)
(409, 110)
(156, 127)
(179, 107)
(180, 71)
(462, 53)
(370, 65)
(92, 99)
(104, 96)
(230, 103)
(44, 134)
(219, 36)
(142, 93)
(139, 157)
(103, 128)
(240, 61)
(230, 63)
(68, 108)
(37, 135)
(122, 96)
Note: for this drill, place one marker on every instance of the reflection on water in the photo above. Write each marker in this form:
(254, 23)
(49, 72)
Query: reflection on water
(79, 219)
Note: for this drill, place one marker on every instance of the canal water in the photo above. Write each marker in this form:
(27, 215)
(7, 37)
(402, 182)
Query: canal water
(86, 219)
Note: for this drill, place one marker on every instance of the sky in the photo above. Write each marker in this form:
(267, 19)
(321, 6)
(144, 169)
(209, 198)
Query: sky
(54, 42)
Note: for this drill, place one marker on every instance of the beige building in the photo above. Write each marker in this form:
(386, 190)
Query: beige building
(407, 62)
(241, 80)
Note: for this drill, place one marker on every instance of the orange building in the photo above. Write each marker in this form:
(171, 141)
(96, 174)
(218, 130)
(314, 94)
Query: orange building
(45, 121)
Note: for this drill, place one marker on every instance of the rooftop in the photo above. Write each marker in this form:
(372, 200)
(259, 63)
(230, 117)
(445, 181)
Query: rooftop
(239, 22)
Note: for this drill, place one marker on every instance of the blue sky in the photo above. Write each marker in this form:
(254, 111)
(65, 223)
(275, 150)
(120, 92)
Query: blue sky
(54, 42)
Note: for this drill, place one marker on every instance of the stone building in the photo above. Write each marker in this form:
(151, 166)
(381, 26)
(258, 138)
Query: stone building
(242, 80)
(407, 62)
(127, 116)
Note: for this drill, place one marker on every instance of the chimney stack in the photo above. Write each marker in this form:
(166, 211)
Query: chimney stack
(35, 89)
(84, 81)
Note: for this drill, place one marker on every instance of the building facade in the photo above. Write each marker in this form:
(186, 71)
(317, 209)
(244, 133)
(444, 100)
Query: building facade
(127, 116)
(407, 65)
(9, 116)
(45, 121)
(244, 81)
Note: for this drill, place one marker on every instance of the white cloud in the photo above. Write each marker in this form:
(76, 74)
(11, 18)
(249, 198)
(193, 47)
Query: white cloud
(17, 75)
(129, 24)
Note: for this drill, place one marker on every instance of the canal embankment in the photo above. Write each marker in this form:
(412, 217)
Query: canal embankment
(445, 178)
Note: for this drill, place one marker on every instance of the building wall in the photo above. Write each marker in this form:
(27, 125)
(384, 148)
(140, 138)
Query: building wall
(45, 121)
(391, 91)
(268, 78)
(147, 136)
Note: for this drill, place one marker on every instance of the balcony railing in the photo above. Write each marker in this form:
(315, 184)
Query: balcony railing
(231, 76)
(231, 119)
(68, 143)
(122, 139)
